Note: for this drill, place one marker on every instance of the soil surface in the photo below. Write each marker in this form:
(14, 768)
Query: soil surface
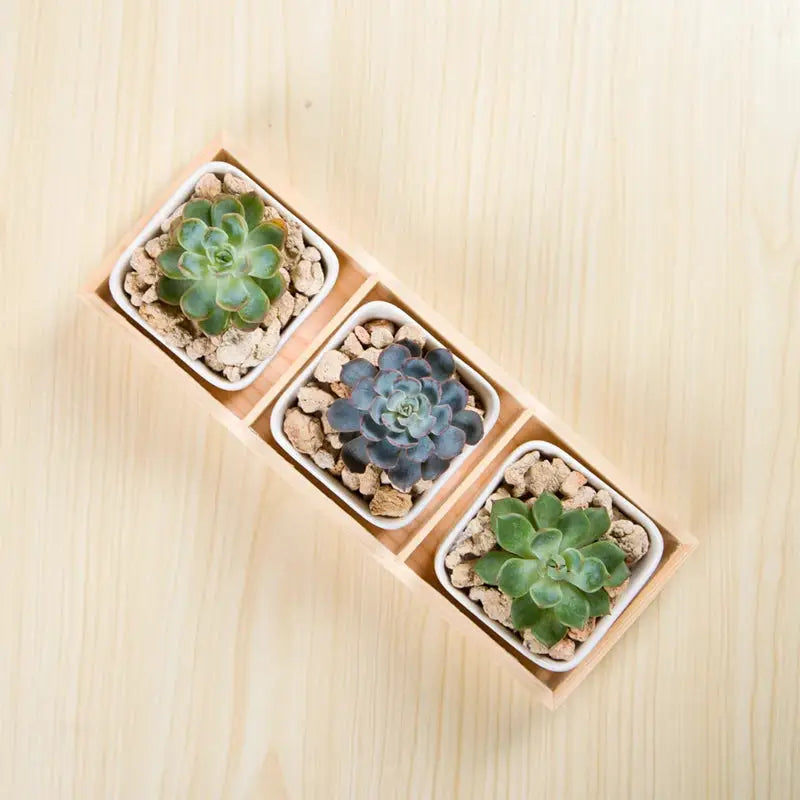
(234, 353)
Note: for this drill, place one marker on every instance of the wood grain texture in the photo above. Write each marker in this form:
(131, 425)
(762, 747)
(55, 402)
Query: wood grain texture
(602, 196)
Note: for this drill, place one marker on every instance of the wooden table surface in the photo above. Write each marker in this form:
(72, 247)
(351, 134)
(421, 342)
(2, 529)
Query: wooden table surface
(603, 196)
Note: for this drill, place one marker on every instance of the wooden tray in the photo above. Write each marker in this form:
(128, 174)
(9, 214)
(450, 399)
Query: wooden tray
(408, 552)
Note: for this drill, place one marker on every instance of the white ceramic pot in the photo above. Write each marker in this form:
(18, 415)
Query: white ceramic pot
(640, 572)
(153, 228)
(471, 379)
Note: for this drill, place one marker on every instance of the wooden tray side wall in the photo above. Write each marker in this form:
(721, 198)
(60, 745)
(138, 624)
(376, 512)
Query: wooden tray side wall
(407, 553)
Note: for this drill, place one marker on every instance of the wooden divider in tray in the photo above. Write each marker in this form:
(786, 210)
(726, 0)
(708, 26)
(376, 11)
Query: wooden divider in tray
(408, 552)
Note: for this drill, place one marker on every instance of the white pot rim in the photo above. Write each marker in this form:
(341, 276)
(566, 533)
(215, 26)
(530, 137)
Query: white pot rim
(640, 572)
(379, 309)
(153, 228)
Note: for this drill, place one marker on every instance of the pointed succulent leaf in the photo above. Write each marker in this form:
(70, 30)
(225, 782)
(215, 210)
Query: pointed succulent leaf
(192, 265)
(590, 577)
(434, 467)
(472, 425)
(611, 555)
(573, 608)
(599, 521)
(235, 228)
(599, 603)
(405, 473)
(353, 371)
(273, 287)
(224, 204)
(547, 629)
(264, 234)
(620, 574)
(393, 356)
(200, 300)
(454, 394)
(168, 261)
(517, 576)
(216, 322)
(524, 612)
(354, 454)
(450, 442)
(545, 592)
(170, 290)
(488, 566)
(546, 511)
(344, 417)
(416, 368)
(363, 394)
(253, 207)
(263, 262)
(575, 527)
(198, 209)
(256, 305)
(515, 534)
(505, 506)
(546, 543)
(422, 450)
(190, 234)
(231, 292)
(441, 362)
(383, 454)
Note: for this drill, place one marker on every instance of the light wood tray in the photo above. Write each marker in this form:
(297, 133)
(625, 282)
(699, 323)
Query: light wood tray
(408, 552)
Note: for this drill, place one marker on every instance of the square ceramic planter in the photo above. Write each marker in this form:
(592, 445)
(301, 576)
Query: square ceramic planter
(153, 228)
(640, 572)
(469, 377)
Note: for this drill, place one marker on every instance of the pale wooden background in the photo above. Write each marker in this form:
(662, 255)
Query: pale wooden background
(604, 196)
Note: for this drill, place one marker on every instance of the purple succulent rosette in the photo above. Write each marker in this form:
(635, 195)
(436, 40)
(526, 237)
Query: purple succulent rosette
(406, 416)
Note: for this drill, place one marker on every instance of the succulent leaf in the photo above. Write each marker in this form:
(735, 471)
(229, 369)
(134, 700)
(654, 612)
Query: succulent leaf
(515, 534)
(190, 233)
(353, 371)
(170, 290)
(354, 454)
(471, 423)
(235, 228)
(454, 394)
(200, 300)
(489, 565)
(517, 576)
(393, 356)
(217, 322)
(553, 564)
(198, 209)
(224, 204)
(256, 305)
(405, 473)
(273, 287)
(442, 364)
(546, 511)
(268, 233)
(168, 261)
(253, 207)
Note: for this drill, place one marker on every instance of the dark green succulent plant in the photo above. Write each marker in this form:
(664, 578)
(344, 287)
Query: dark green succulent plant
(222, 263)
(553, 564)
(407, 416)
